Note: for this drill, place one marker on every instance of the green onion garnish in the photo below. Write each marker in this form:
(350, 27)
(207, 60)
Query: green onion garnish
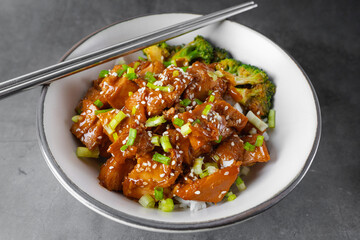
(185, 129)
(230, 196)
(240, 184)
(130, 94)
(131, 76)
(210, 92)
(76, 118)
(155, 140)
(117, 119)
(147, 201)
(271, 118)
(249, 147)
(103, 73)
(176, 73)
(184, 68)
(98, 103)
(136, 65)
(161, 158)
(115, 136)
(206, 110)
(159, 193)
(130, 70)
(141, 58)
(132, 136)
(259, 141)
(211, 98)
(103, 111)
(197, 167)
(150, 77)
(244, 171)
(186, 102)
(166, 64)
(85, 152)
(215, 157)
(166, 205)
(179, 122)
(204, 174)
(196, 121)
(198, 101)
(165, 143)
(257, 122)
(124, 147)
(168, 88)
(219, 139)
(120, 72)
(133, 110)
(155, 121)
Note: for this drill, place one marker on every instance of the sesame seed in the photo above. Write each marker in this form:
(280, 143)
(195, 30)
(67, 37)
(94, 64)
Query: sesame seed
(145, 183)
(172, 174)
(111, 167)
(197, 192)
(154, 166)
(173, 162)
(162, 175)
(143, 102)
(226, 173)
(232, 144)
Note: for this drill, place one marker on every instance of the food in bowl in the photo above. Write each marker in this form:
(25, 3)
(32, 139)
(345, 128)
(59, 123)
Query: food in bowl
(172, 126)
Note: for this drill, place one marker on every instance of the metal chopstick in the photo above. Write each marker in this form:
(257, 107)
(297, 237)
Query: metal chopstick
(80, 63)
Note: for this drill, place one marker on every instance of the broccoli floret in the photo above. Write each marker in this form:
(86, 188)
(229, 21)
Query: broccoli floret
(258, 97)
(247, 74)
(198, 49)
(158, 52)
(230, 65)
(220, 54)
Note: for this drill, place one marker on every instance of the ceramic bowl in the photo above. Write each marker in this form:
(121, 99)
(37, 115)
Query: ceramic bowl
(293, 143)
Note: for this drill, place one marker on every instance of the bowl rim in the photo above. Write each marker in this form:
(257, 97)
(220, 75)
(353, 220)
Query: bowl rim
(152, 225)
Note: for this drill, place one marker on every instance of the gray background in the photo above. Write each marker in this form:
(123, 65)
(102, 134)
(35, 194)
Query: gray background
(321, 35)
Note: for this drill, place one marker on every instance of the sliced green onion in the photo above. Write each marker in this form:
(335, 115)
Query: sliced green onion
(211, 98)
(249, 147)
(85, 152)
(206, 110)
(130, 94)
(196, 121)
(155, 121)
(132, 137)
(211, 164)
(179, 122)
(244, 171)
(204, 174)
(159, 193)
(185, 129)
(131, 76)
(150, 77)
(115, 136)
(257, 122)
(103, 73)
(161, 158)
(210, 168)
(166, 205)
(271, 118)
(133, 110)
(176, 73)
(198, 101)
(124, 147)
(215, 157)
(98, 103)
(165, 143)
(259, 140)
(141, 58)
(184, 68)
(166, 64)
(168, 88)
(219, 139)
(121, 71)
(103, 111)
(212, 75)
(76, 118)
(155, 140)
(210, 92)
(117, 119)
(147, 201)
(230, 196)
(240, 184)
(108, 129)
(186, 102)
(219, 74)
(136, 65)
(197, 167)
(130, 70)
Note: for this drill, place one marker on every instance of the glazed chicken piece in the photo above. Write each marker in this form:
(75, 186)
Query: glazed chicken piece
(211, 188)
(88, 129)
(260, 154)
(174, 78)
(233, 117)
(113, 172)
(116, 90)
(230, 151)
(147, 174)
(203, 82)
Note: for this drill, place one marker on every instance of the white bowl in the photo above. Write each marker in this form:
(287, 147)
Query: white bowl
(293, 143)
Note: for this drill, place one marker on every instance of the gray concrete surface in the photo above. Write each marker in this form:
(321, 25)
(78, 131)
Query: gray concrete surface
(322, 35)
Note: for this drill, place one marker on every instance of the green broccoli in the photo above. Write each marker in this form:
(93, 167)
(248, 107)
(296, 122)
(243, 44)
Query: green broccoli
(258, 97)
(247, 74)
(229, 65)
(220, 54)
(160, 52)
(198, 49)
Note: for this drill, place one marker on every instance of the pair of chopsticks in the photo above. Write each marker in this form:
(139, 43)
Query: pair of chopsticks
(83, 62)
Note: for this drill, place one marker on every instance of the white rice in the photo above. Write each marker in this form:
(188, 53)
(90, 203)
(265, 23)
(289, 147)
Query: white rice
(193, 205)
